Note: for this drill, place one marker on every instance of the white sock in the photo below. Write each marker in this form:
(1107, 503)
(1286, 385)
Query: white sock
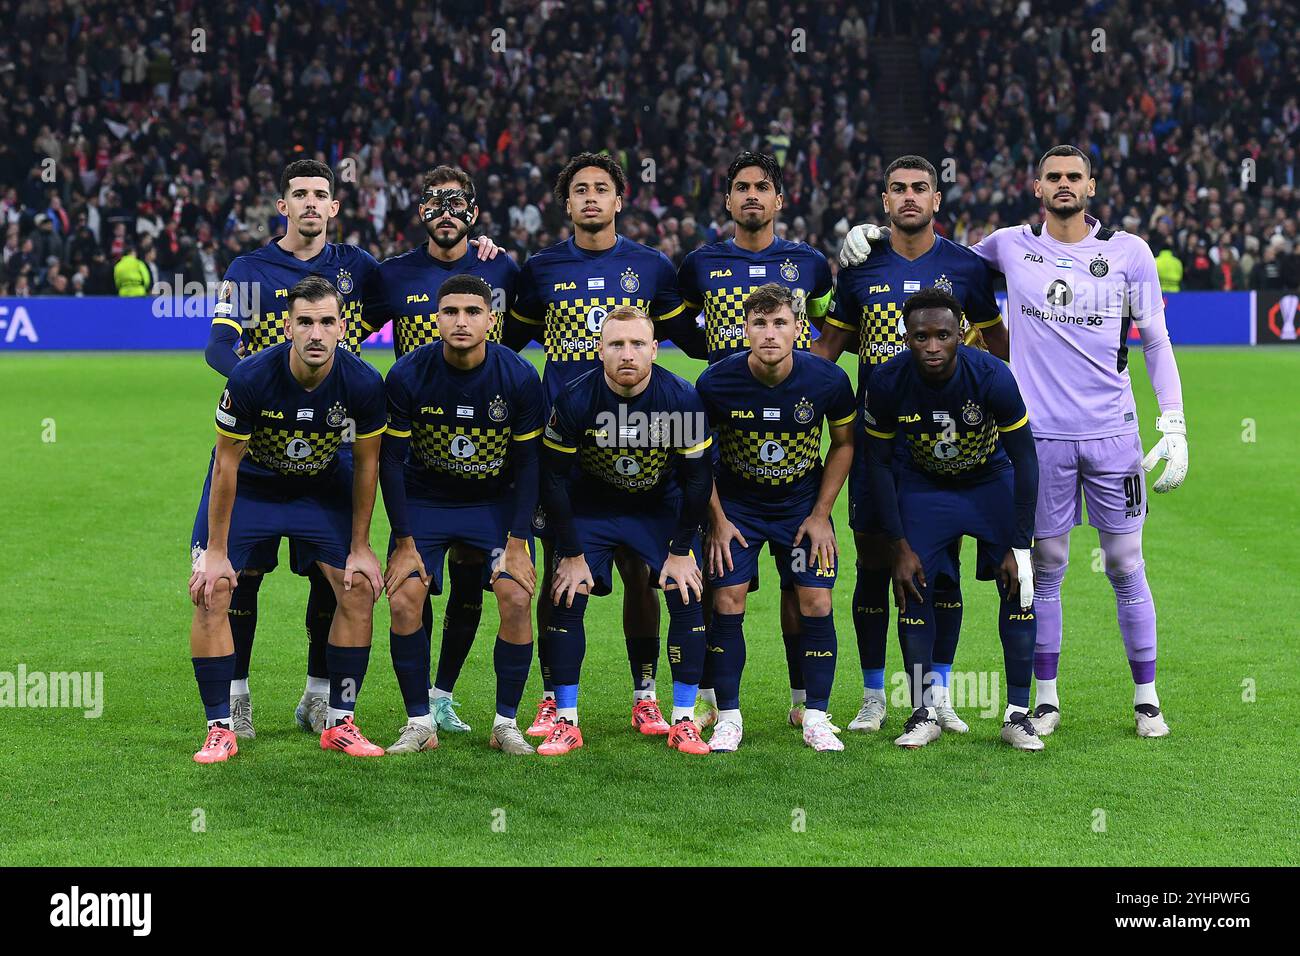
(568, 713)
(878, 693)
(797, 696)
(680, 712)
(709, 696)
(223, 721)
(317, 687)
(939, 694)
(929, 712)
(1142, 694)
(1045, 693)
(239, 687)
(498, 720)
(1013, 709)
(645, 693)
(336, 716)
(731, 715)
(436, 692)
(423, 720)
(812, 717)
(548, 695)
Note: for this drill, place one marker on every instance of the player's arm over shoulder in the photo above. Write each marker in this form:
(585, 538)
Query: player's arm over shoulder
(996, 246)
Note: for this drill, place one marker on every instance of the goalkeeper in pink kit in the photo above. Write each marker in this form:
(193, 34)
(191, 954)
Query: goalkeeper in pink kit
(1074, 289)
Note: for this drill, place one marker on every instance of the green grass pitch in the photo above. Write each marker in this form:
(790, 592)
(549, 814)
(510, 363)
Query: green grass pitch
(96, 528)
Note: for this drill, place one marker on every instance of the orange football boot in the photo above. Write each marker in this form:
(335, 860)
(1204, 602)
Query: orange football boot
(545, 722)
(564, 737)
(349, 739)
(685, 736)
(219, 746)
(648, 718)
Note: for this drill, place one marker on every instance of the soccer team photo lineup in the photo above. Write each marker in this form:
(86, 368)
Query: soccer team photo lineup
(803, 405)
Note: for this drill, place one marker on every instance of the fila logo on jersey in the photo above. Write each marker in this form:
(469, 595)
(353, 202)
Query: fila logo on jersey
(720, 274)
(741, 413)
(431, 410)
(878, 288)
(1033, 257)
(910, 418)
(271, 413)
(564, 286)
(422, 297)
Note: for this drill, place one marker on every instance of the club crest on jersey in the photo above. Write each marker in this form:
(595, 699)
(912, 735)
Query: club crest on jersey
(658, 431)
(943, 284)
(789, 271)
(497, 409)
(803, 412)
(336, 415)
(629, 281)
(1099, 267)
(344, 282)
(972, 414)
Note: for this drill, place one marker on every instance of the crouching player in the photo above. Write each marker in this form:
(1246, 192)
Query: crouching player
(624, 465)
(280, 424)
(767, 404)
(970, 469)
(460, 468)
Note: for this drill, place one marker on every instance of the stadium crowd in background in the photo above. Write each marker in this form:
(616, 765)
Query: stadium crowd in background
(151, 130)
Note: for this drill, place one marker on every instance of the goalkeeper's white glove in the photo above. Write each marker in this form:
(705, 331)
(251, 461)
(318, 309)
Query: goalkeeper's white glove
(1173, 448)
(857, 244)
(1025, 576)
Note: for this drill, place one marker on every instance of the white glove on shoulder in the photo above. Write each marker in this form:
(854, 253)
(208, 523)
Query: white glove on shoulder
(857, 244)
(1025, 575)
(1173, 448)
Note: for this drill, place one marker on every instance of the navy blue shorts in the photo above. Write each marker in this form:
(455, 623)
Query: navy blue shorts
(936, 517)
(777, 529)
(437, 525)
(646, 533)
(862, 514)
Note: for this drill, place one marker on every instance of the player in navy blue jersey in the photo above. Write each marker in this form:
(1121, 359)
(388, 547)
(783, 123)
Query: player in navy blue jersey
(409, 285)
(564, 293)
(460, 468)
(624, 464)
(867, 317)
(282, 421)
(716, 278)
(968, 467)
(767, 405)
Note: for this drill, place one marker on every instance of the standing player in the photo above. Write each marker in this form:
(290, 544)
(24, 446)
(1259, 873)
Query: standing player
(276, 473)
(624, 465)
(1074, 289)
(968, 468)
(867, 317)
(410, 284)
(564, 293)
(460, 467)
(717, 278)
(767, 405)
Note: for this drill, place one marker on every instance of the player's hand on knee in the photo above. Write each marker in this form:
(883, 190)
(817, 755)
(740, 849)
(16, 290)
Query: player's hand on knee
(518, 564)
(909, 575)
(404, 559)
(685, 574)
(857, 244)
(1172, 447)
(572, 577)
(363, 561)
(209, 570)
(486, 248)
(1020, 576)
(821, 540)
(721, 535)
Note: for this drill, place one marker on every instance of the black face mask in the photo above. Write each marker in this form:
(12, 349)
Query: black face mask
(456, 203)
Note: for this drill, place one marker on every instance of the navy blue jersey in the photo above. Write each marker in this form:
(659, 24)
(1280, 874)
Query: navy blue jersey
(949, 432)
(717, 278)
(770, 438)
(410, 290)
(463, 425)
(564, 294)
(253, 297)
(627, 448)
(294, 435)
(869, 298)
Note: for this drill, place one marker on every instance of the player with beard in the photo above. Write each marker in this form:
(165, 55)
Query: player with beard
(867, 316)
(410, 283)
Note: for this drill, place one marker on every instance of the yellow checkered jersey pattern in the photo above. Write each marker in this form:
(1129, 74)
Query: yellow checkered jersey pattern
(298, 452)
(724, 319)
(881, 336)
(573, 326)
(629, 469)
(771, 458)
(269, 330)
(412, 331)
(462, 451)
(941, 454)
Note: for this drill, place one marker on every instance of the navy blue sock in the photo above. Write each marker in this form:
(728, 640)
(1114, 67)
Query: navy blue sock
(643, 659)
(347, 670)
(410, 653)
(320, 615)
(871, 618)
(685, 639)
(794, 659)
(916, 636)
(512, 663)
(460, 621)
(726, 655)
(819, 648)
(426, 621)
(243, 621)
(213, 675)
(567, 637)
(1018, 629)
(544, 609)
(947, 624)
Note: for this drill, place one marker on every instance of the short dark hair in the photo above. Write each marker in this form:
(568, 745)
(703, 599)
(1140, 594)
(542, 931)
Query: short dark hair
(445, 174)
(314, 289)
(305, 167)
(1065, 149)
(912, 161)
(581, 162)
(466, 285)
(763, 161)
(932, 298)
(769, 297)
